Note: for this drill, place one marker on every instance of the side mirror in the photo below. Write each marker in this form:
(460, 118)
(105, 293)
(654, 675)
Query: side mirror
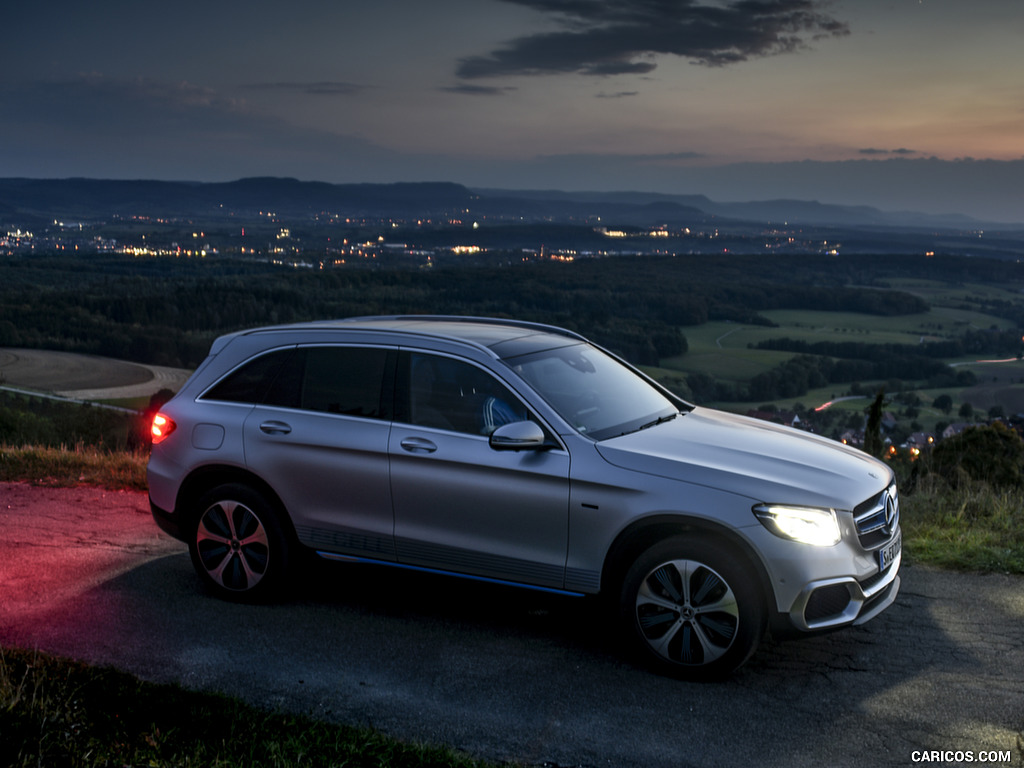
(518, 436)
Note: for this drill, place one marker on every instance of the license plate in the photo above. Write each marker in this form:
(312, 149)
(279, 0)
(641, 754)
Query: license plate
(890, 552)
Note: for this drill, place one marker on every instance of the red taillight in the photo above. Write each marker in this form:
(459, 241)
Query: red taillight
(161, 428)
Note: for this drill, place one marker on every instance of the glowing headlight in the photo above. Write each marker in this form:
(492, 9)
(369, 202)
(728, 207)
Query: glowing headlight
(808, 525)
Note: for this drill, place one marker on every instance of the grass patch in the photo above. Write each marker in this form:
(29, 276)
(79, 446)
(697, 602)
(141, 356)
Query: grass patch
(971, 528)
(55, 712)
(68, 467)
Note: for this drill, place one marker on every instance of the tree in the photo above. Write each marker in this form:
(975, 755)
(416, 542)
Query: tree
(992, 454)
(966, 411)
(944, 403)
(873, 432)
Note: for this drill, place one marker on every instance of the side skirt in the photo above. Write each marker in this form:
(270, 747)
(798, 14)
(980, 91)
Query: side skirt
(421, 569)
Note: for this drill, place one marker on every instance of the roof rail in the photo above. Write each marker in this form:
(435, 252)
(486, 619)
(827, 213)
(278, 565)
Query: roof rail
(524, 324)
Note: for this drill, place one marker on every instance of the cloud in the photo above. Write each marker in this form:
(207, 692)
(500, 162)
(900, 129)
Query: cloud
(469, 89)
(92, 101)
(617, 95)
(316, 88)
(116, 128)
(623, 160)
(887, 152)
(611, 37)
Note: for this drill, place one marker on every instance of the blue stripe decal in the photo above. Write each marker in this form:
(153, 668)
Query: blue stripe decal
(421, 569)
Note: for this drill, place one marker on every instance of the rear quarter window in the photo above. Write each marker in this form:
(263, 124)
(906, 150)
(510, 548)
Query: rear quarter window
(251, 382)
(348, 381)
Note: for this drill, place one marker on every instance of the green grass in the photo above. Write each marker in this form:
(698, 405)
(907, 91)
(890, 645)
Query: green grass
(974, 528)
(54, 712)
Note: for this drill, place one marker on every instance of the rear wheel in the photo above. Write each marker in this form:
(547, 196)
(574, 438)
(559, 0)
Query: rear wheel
(692, 609)
(238, 546)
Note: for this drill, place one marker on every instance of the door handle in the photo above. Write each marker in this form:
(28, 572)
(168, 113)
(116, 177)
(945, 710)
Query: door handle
(418, 445)
(275, 428)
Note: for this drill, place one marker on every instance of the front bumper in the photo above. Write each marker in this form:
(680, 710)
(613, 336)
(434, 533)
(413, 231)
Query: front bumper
(831, 603)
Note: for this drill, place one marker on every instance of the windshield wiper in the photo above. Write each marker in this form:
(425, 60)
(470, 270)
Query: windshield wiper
(656, 422)
(660, 420)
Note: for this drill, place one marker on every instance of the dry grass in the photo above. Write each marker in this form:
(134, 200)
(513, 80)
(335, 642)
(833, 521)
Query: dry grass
(68, 467)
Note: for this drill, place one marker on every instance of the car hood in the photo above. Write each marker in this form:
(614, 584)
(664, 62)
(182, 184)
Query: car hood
(763, 461)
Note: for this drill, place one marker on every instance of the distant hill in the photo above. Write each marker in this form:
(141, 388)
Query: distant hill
(99, 198)
(765, 212)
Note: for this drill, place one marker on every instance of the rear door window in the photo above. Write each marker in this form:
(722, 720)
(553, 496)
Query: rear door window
(343, 380)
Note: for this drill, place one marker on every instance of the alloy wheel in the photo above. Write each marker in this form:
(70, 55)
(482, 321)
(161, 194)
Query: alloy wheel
(232, 545)
(687, 612)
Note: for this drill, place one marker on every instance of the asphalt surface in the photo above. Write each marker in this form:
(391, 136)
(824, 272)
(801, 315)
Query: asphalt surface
(508, 674)
(85, 377)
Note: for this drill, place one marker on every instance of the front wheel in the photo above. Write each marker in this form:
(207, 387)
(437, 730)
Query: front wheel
(692, 609)
(238, 546)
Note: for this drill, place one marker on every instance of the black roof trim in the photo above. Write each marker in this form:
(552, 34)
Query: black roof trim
(524, 324)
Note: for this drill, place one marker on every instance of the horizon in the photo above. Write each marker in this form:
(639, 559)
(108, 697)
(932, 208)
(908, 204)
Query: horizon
(900, 105)
(792, 209)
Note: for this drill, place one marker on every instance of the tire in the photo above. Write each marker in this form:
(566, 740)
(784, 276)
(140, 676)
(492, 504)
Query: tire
(691, 609)
(238, 545)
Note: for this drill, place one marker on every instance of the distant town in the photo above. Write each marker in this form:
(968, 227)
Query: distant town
(318, 226)
(310, 245)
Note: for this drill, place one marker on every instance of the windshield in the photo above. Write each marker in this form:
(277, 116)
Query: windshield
(593, 392)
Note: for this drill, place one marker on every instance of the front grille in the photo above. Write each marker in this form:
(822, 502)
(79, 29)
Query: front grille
(877, 518)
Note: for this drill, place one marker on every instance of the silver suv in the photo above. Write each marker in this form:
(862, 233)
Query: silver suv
(522, 454)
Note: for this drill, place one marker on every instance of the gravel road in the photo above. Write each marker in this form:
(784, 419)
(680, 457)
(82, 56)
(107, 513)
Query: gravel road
(513, 675)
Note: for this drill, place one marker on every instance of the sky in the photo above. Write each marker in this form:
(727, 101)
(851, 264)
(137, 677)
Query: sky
(913, 105)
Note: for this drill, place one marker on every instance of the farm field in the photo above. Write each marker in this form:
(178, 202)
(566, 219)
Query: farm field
(719, 348)
(725, 350)
(939, 292)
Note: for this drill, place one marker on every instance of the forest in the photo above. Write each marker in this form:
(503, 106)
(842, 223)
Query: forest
(166, 311)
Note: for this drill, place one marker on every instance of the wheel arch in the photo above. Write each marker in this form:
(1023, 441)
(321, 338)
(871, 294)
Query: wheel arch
(645, 533)
(206, 478)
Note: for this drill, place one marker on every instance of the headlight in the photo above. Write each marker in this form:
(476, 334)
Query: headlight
(808, 525)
